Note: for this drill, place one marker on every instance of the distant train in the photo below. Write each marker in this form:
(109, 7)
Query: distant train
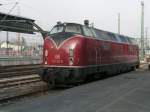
(72, 52)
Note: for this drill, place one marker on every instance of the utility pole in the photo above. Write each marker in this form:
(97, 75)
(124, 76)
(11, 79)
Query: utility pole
(7, 42)
(118, 23)
(18, 34)
(146, 36)
(142, 31)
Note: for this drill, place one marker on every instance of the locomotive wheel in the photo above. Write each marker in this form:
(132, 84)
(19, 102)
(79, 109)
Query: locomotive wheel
(133, 68)
(43, 75)
(52, 83)
(137, 66)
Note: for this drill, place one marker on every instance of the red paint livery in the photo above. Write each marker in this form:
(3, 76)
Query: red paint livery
(59, 55)
(72, 52)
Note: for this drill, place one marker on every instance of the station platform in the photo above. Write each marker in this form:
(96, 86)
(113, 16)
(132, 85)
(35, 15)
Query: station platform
(129, 92)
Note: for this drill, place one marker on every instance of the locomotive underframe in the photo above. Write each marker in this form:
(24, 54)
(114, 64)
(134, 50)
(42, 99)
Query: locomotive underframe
(70, 75)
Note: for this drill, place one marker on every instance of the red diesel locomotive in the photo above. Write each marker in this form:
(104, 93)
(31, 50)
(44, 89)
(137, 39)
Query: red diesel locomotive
(72, 52)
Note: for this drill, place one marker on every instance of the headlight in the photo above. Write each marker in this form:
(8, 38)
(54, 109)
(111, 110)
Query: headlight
(71, 52)
(71, 61)
(46, 52)
(45, 62)
(71, 56)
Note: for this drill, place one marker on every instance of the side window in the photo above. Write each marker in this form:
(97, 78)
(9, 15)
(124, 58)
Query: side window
(129, 41)
(118, 38)
(94, 33)
(101, 34)
(126, 40)
(98, 33)
(112, 37)
(105, 36)
(90, 32)
(123, 39)
(87, 31)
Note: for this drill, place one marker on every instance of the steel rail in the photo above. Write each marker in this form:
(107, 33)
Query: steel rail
(20, 86)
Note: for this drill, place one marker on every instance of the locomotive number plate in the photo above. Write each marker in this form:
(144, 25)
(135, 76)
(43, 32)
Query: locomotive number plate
(57, 56)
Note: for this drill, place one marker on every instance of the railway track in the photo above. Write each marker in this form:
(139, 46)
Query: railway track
(8, 82)
(20, 86)
(16, 81)
(19, 70)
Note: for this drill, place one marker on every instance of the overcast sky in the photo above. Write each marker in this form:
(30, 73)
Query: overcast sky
(102, 12)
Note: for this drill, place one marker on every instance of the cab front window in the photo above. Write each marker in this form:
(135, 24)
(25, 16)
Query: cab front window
(57, 29)
(73, 28)
(68, 28)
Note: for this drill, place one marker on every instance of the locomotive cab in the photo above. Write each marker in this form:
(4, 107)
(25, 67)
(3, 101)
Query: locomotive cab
(63, 42)
(62, 53)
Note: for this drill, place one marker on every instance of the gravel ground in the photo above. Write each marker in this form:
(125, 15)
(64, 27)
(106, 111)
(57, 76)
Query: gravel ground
(129, 92)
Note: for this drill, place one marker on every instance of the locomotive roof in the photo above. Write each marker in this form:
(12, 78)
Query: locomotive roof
(131, 39)
(95, 28)
(68, 23)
